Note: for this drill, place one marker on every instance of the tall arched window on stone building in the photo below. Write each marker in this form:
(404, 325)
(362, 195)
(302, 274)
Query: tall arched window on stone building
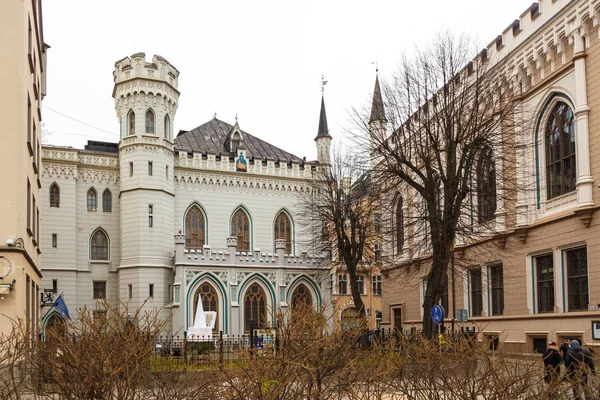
(283, 230)
(107, 201)
(240, 228)
(131, 123)
(255, 307)
(486, 185)
(561, 174)
(210, 301)
(99, 246)
(150, 122)
(195, 235)
(92, 200)
(399, 224)
(54, 195)
(167, 127)
(301, 297)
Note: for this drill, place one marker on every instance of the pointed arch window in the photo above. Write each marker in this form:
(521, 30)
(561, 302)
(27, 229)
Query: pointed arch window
(195, 235)
(107, 201)
(240, 228)
(150, 122)
(283, 230)
(131, 123)
(561, 173)
(99, 246)
(399, 224)
(210, 301)
(54, 195)
(486, 185)
(301, 298)
(92, 200)
(167, 127)
(255, 307)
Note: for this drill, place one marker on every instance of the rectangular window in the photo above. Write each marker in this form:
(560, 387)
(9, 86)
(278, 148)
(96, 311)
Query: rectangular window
(361, 284)
(37, 234)
(176, 293)
(167, 172)
(54, 240)
(34, 226)
(377, 253)
(99, 290)
(30, 46)
(55, 285)
(476, 292)
(170, 294)
(27, 303)
(129, 291)
(342, 284)
(150, 208)
(131, 168)
(29, 208)
(544, 270)
(377, 285)
(497, 289)
(150, 168)
(150, 221)
(398, 319)
(377, 222)
(29, 127)
(151, 290)
(577, 275)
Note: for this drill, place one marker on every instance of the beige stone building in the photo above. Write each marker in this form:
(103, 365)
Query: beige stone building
(539, 280)
(23, 82)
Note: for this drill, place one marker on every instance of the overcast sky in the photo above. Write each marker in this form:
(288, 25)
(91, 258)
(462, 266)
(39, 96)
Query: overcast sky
(261, 60)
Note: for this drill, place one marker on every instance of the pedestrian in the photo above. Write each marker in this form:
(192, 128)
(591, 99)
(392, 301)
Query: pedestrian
(564, 349)
(552, 362)
(579, 363)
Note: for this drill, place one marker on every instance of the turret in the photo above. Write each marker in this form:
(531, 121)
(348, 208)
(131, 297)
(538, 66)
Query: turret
(323, 138)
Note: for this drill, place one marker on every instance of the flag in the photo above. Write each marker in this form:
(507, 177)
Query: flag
(61, 307)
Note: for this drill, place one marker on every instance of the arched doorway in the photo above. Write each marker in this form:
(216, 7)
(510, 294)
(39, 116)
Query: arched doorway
(301, 298)
(54, 329)
(210, 302)
(255, 307)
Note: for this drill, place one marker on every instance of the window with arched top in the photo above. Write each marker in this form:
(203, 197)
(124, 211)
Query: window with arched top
(399, 224)
(240, 228)
(210, 301)
(54, 195)
(107, 201)
(167, 127)
(301, 298)
(255, 307)
(150, 122)
(99, 245)
(131, 123)
(561, 174)
(283, 230)
(486, 185)
(92, 200)
(195, 235)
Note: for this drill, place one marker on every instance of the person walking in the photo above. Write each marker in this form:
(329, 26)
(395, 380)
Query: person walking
(552, 362)
(564, 349)
(579, 363)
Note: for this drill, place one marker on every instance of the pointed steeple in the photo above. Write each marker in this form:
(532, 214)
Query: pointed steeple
(377, 109)
(323, 129)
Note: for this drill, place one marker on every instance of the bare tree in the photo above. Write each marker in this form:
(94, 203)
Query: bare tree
(451, 122)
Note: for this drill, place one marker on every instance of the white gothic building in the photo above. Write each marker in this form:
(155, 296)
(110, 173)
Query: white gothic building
(163, 219)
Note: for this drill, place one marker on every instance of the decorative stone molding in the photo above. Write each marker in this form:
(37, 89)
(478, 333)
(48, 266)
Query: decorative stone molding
(59, 171)
(585, 216)
(521, 234)
(187, 179)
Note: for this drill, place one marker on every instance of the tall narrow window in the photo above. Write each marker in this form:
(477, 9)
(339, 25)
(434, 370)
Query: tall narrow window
(131, 168)
(497, 289)
(360, 280)
(577, 272)
(240, 228)
(150, 215)
(92, 201)
(560, 151)
(107, 201)
(476, 292)
(377, 222)
(54, 240)
(99, 246)
(545, 283)
(255, 307)
(194, 228)
(150, 168)
(151, 290)
(210, 301)
(486, 185)
(342, 284)
(131, 123)
(399, 225)
(301, 298)
(54, 195)
(29, 208)
(377, 285)
(444, 299)
(283, 230)
(150, 122)
(167, 127)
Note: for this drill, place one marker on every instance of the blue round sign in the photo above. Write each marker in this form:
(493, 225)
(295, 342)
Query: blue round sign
(437, 314)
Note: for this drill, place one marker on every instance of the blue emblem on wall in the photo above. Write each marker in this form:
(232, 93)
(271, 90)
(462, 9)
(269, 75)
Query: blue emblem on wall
(240, 164)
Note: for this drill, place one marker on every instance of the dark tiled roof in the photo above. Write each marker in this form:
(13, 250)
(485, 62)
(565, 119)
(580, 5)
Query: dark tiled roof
(323, 129)
(93, 145)
(212, 137)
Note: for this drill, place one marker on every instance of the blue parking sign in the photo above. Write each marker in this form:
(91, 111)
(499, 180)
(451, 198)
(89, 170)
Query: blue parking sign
(437, 314)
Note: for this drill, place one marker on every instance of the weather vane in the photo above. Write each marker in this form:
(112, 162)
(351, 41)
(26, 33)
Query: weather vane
(323, 83)
(376, 65)
(236, 117)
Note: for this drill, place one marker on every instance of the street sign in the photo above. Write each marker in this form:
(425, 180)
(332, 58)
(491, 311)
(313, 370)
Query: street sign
(437, 314)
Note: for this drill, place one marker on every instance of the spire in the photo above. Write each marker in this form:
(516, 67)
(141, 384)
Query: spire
(377, 109)
(323, 130)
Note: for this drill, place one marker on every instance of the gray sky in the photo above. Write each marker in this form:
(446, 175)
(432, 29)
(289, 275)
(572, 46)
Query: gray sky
(261, 60)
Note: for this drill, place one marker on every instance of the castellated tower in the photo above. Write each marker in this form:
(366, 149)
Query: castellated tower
(146, 100)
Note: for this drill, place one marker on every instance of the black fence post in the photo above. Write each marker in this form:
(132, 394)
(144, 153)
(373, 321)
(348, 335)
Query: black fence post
(221, 348)
(185, 359)
(251, 334)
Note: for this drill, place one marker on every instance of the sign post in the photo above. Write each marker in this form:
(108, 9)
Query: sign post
(437, 316)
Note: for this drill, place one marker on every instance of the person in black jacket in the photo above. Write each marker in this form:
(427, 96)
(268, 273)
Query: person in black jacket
(564, 349)
(552, 361)
(579, 363)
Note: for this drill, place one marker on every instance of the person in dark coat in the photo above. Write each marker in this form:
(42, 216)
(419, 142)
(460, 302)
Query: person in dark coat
(552, 362)
(579, 363)
(564, 349)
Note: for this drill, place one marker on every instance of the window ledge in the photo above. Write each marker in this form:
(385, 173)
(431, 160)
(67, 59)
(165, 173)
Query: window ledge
(99, 261)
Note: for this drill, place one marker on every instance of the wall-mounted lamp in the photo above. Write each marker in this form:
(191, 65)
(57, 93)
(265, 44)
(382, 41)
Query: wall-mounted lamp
(5, 288)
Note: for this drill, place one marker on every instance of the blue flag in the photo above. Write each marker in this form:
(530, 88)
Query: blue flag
(61, 307)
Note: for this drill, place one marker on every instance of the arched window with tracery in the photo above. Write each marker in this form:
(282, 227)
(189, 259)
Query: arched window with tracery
(99, 246)
(399, 224)
(54, 195)
(107, 201)
(210, 301)
(167, 127)
(240, 228)
(92, 200)
(301, 297)
(283, 230)
(131, 123)
(195, 235)
(150, 122)
(486, 185)
(255, 307)
(561, 173)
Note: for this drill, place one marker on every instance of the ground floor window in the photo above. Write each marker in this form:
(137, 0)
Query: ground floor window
(577, 276)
